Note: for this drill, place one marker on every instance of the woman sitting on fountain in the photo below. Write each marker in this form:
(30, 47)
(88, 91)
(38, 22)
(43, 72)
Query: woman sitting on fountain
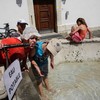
(79, 33)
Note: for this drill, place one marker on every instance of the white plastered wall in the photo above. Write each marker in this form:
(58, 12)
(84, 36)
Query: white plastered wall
(69, 10)
(11, 12)
(67, 13)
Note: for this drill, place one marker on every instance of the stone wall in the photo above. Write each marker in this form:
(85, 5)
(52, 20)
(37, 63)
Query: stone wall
(88, 50)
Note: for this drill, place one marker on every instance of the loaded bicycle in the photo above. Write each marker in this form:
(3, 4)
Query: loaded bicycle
(13, 49)
(6, 31)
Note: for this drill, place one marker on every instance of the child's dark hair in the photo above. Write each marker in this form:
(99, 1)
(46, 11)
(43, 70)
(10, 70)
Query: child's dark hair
(82, 21)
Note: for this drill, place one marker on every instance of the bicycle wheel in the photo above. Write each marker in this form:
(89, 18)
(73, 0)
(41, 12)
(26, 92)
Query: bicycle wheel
(10, 32)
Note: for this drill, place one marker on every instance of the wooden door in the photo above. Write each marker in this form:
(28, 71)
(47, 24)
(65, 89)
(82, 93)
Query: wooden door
(44, 15)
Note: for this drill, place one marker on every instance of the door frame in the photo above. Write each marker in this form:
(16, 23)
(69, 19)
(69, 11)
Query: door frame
(55, 15)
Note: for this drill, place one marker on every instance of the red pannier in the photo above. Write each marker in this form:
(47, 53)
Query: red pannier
(13, 53)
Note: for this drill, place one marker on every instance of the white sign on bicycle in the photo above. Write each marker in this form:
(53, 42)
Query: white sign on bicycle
(12, 78)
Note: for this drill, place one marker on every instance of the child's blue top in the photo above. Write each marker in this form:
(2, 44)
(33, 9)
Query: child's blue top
(39, 57)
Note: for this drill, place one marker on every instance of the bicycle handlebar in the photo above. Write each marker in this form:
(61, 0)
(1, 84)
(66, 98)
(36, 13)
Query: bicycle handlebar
(7, 24)
(15, 45)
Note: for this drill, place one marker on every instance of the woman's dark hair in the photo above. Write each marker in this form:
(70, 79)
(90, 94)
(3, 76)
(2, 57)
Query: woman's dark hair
(82, 21)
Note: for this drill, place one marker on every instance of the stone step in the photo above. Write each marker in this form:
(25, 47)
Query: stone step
(48, 36)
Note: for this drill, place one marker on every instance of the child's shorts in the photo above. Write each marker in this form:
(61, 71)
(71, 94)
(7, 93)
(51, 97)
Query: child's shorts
(44, 71)
(76, 37)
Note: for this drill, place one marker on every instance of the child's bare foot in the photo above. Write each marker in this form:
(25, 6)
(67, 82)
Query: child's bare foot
(51, 91)
(68, 38)
(25, 69)
(44, 97)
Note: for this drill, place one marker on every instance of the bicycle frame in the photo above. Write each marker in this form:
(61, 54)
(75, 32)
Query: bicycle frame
(7, 30)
